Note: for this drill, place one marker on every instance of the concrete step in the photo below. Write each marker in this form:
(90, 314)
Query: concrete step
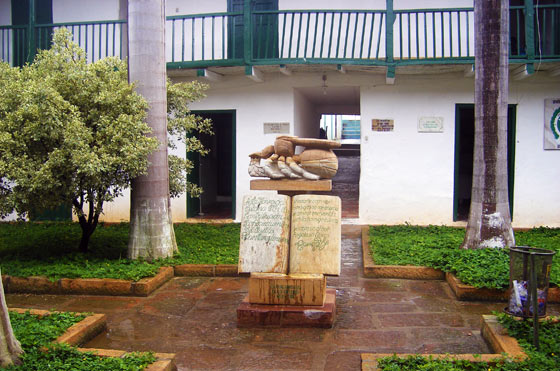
(347, 150)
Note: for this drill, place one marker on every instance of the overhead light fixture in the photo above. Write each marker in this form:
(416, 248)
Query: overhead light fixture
(324, 84)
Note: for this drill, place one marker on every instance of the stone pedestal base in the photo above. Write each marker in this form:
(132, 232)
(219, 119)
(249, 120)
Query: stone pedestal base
(283, 289)
(261, 315)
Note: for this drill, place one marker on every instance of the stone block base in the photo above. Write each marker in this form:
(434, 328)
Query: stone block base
(283, 289)
(261, 315)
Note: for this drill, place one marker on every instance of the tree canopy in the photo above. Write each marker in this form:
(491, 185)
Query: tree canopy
(74, 133)
(71, 132)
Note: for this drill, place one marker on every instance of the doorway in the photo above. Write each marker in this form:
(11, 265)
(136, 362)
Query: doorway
(215, 172)
(333, 112)
(345, 129)
(464, 151)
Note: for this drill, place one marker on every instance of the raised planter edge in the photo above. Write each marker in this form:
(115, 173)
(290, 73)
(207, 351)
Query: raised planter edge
(372, 270)
(85, 330)
(86, 286)
(491, 330)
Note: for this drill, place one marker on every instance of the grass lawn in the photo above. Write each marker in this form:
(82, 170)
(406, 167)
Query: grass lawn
(546, 358)
(51, 249)
(438, 247)
(34, 332)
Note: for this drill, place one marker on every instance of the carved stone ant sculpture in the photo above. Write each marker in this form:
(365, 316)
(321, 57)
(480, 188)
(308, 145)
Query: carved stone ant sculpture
(317, 161)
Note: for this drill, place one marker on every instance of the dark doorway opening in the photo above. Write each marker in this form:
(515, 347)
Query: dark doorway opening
(345, 128)
(464, 151)
(215, 172)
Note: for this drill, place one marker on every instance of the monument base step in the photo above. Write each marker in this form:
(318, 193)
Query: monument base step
(287, 289)
(262, 315)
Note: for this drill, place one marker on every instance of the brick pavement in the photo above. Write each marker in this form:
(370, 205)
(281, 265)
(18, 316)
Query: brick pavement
(196, 319)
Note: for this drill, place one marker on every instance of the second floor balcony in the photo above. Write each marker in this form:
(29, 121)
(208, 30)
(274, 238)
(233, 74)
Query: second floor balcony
(248, 37)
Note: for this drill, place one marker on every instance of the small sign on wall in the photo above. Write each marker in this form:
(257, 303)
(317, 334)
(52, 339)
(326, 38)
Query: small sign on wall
(430, 125)
(552, 123)
(276, 127)
(382, 125)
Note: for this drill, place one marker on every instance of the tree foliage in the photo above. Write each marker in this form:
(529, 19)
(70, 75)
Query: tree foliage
(184, 126)
(71, 132)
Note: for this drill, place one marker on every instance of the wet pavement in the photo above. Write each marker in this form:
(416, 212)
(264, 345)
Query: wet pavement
(195, 318)
(346, 185)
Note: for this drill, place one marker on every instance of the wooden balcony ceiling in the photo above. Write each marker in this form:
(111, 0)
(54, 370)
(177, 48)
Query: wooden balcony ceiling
(550, 68)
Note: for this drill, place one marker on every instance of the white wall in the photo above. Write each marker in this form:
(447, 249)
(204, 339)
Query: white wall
(537, 171)
(77, 11)
(306, 119)
(406, 176)
(5, 12)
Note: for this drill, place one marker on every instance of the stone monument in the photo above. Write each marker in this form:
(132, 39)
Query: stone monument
(290, 240)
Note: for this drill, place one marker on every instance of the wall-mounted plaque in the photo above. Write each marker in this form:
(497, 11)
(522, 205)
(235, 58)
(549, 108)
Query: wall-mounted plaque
(552, 123)
(430, 125)
(276, 127)
(382, 125)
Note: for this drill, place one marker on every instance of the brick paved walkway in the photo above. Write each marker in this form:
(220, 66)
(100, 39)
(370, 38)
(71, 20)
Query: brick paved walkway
(196, 319)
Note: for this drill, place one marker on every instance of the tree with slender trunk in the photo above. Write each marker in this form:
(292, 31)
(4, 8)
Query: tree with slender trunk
(151, 227)
(10, 349)
(489, 224)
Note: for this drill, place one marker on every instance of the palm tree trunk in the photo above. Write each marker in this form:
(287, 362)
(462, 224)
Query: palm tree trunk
(151, 229)
(489, 224)
(10, 349)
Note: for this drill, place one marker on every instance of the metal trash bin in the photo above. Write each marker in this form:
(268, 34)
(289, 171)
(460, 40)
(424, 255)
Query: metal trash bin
(529, 275)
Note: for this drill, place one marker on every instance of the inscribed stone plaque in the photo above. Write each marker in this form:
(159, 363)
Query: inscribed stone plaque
(276, 127)
(315, 238)
(382, 125)
(265, 234)
(430, 125)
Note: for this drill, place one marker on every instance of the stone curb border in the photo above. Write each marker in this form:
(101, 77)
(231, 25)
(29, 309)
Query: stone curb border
(493, 333)
(470, 293)
(87, 286)
(462, 292)
(113, 287)
(163, 362)
(91, 326)
(371, 270)
(78, 333)
(206, 270)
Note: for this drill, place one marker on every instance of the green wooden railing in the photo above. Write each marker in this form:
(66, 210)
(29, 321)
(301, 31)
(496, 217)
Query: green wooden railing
(416, 36)
(99, 39)
(547, 27)
(13, 43)
(444, 34)
(363, 37)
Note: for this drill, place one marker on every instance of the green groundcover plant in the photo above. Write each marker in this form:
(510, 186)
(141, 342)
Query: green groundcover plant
(546, 358)
(34, 333)
(438, 247)
(48, 249)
